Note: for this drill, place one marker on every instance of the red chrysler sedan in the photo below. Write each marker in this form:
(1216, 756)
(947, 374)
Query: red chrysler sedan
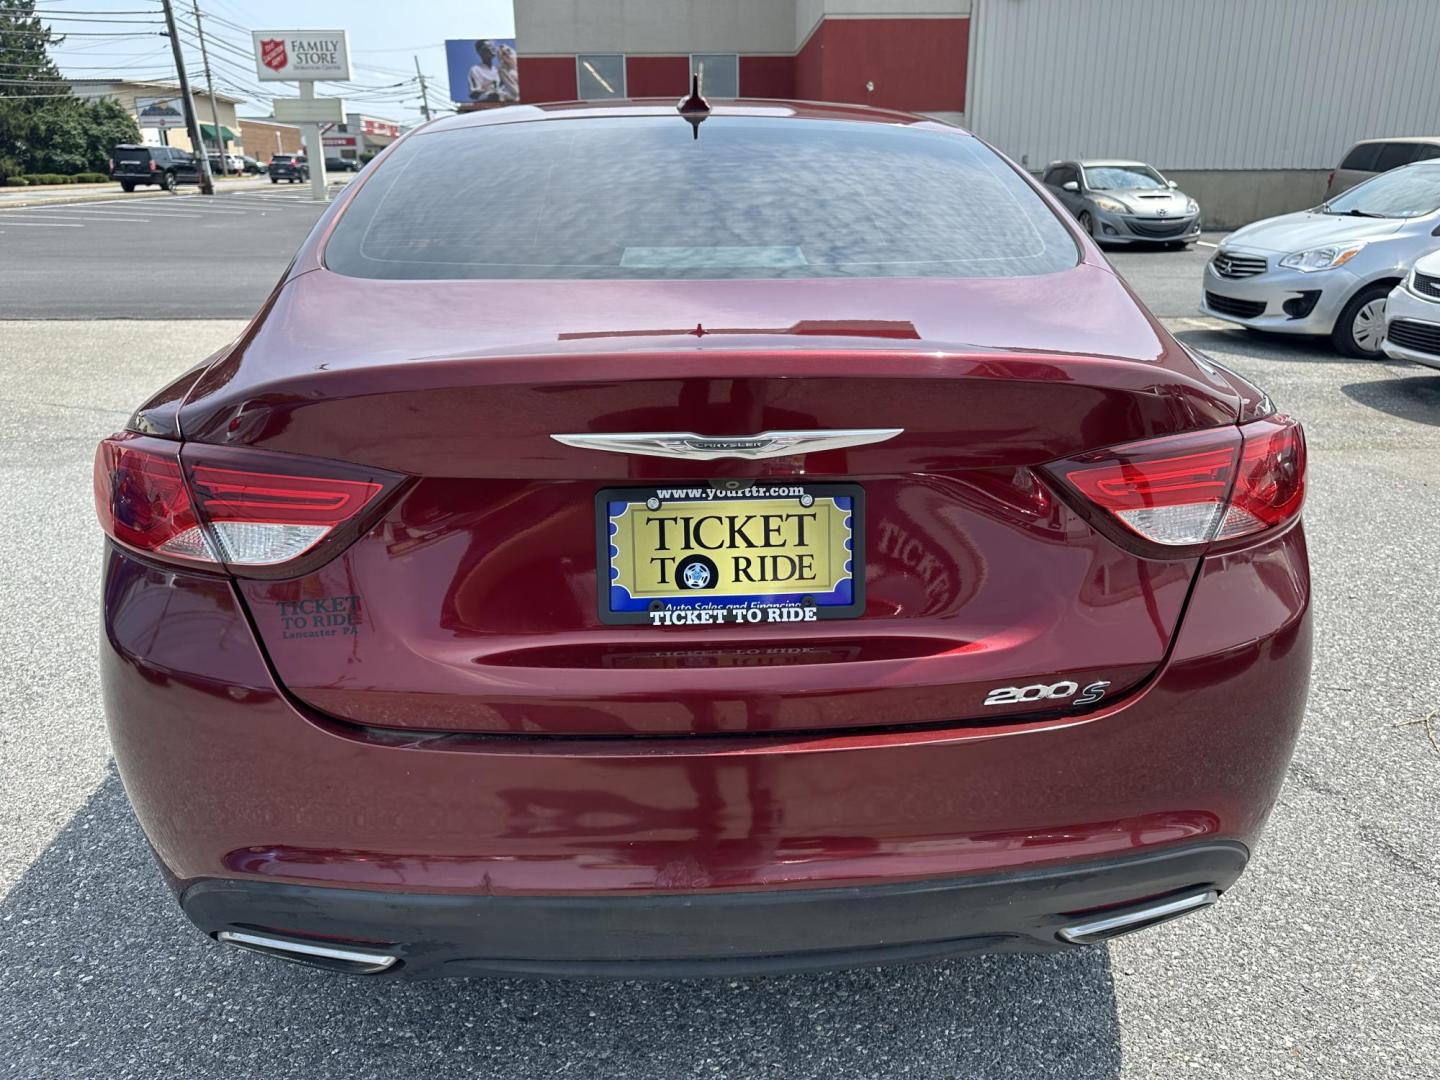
(645, 542)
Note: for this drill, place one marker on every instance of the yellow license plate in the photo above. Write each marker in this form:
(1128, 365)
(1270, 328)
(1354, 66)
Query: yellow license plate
(712, 556)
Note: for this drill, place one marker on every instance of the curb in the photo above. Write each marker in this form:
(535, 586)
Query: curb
(113, 193)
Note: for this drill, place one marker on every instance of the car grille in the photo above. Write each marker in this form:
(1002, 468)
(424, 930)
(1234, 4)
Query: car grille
(1408, 334)
(1237, 266)
(1228, 305)
(1153, 227)
(1426, 285)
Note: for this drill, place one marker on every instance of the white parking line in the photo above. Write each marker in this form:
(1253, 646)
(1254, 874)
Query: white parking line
(269, 195)
(165, 213)
(207, 208)
(1205, 243)
(47, 224)
(102, 214)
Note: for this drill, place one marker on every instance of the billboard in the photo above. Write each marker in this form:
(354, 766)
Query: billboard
(301, 55)
(160, 112)
(482, 69)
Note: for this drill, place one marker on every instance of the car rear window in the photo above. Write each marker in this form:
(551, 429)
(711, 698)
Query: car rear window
(641, 197)
(1396, 154)
(1362, 157)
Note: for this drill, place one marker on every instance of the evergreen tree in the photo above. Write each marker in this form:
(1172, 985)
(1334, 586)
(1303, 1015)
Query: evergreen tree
(43, 127)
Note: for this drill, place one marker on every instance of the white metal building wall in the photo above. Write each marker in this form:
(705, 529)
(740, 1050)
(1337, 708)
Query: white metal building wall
(1202, 84)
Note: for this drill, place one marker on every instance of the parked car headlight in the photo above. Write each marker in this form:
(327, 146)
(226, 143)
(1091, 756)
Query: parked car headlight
(1191, 206)
(1322, 258)
(1110, 206)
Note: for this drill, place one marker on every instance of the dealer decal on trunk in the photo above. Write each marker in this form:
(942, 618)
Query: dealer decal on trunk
(714, 556)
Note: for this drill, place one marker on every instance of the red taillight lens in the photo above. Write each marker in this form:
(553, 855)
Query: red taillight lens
(142, 500)
(1190, 490)
(1270, 485)
(207, 509)
(260, 519)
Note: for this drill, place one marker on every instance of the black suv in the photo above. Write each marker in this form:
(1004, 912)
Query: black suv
(289, 167)
(162, 165)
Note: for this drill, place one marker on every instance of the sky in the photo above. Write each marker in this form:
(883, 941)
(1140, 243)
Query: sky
(385, 37)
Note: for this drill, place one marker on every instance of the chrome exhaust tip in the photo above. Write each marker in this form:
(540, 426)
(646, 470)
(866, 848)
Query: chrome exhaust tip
(331, 957)
(1136, 918)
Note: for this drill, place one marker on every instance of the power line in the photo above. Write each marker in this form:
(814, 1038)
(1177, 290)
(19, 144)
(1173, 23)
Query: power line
(82, 33)
(101, 21)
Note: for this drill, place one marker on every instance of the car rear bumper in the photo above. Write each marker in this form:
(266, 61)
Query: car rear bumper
(237, 786)
(668, 935)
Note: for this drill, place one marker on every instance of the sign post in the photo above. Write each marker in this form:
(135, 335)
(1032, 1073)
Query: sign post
(314, 151)
(306, 57)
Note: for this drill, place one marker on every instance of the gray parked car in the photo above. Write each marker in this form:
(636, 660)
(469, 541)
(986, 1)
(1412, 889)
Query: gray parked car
(1122, 202)
(1329, 270)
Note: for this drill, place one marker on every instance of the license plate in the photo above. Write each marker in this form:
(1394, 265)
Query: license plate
(771, 553)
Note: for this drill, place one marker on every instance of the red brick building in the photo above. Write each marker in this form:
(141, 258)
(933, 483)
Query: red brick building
(904, 55)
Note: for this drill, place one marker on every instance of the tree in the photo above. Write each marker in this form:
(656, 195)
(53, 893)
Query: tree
(43, 126)
(31, 76)
(109, 124)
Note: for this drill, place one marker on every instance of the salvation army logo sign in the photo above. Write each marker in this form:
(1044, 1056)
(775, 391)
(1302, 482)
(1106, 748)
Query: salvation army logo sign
(301, 55)
(272, 53)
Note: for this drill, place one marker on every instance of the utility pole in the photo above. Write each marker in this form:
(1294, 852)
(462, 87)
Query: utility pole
(202, 160)
(424, 100)
(210, 89)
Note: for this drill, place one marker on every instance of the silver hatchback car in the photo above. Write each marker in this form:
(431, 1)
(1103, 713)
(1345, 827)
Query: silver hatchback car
(1122, 202)
(1327, 271)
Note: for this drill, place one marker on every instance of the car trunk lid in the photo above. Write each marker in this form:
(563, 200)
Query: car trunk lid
(475, 602)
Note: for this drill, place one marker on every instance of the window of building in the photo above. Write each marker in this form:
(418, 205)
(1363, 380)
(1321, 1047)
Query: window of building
(719, 74)
(600, 75)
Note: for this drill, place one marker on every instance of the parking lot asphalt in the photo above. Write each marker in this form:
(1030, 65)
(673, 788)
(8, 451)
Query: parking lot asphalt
(1322, 962)
(151, 257)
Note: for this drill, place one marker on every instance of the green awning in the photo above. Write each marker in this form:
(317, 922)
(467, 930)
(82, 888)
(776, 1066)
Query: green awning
(207, 131)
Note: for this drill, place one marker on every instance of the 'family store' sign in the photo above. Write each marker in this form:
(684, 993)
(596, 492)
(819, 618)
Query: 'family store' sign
(302, 55)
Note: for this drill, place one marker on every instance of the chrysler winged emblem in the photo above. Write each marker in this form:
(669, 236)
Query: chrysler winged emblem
(692, 447)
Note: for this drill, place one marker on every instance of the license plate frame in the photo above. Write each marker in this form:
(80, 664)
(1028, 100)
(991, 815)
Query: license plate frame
(846, 600)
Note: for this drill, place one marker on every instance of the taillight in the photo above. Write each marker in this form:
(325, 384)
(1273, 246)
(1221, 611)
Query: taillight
(1200, 489)
(142, 500)
(112, 166)
(246, 510)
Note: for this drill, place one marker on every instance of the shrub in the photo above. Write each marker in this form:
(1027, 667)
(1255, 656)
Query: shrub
(17, 181)
(49, 178)
(91, 178)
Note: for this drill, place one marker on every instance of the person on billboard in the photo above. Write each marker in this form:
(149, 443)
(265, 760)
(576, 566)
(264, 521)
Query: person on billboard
(485, 76)
(509, 74)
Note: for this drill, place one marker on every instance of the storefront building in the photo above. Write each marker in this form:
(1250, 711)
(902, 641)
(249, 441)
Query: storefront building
(264, 138)
(360, 137)
(157, 108)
